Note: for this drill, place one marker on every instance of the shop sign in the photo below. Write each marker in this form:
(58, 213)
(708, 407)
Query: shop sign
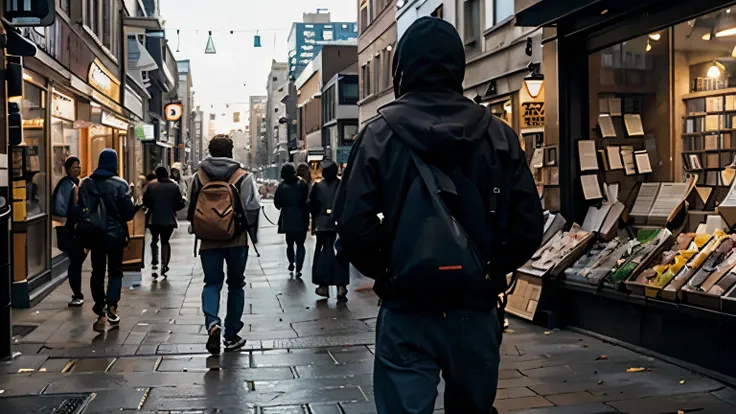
(101, 79)
(174, 112)
(144, 132)
(114, 121)
(62, 106)
(532, 114)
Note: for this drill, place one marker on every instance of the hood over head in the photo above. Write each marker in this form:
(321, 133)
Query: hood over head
(288, 173)
(220, 168)
(107, 165)
(162, 173)
(431, 115)
(329, 170)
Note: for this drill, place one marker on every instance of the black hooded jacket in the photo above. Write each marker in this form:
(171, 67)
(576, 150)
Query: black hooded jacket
(322, 197)
(291, 198)
(432, 118)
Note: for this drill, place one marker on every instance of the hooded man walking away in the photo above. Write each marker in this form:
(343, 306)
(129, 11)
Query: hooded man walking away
(107, 207)
(291, 198)
(460, 210)
(327, 269)
(222, 186)
(163, 199)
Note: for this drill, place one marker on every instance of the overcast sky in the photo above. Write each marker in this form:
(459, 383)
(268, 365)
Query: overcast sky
(238, 70)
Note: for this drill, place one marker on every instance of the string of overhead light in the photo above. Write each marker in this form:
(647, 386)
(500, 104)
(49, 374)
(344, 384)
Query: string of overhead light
(210, 47)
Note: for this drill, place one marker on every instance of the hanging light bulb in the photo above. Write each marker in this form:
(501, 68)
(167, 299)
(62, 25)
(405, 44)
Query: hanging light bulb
(714, 72)
(655, 36)
(178, 40)
(649, 46)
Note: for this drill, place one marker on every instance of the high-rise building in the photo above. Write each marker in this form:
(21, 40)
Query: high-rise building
(307, 38)
(277, 88)
(258, 155)
(186, 97)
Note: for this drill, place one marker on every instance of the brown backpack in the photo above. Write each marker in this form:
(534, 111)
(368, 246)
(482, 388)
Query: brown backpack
(218, 213)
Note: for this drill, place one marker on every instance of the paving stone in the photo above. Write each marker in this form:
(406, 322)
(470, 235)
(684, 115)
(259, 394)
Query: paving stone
(324, 409)
(117, 400)
(328, 371)
(22, 363)
(701, 403)
(575, 398)
(292, 409)
(517, 392)
(134, 365)
(312, 383)
(574, 409)
(92, 365)
(55, 365)
(521, 403)
(359, 408)
(284, 359)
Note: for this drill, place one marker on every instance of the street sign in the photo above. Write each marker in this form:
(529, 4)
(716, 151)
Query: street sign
(174, 112)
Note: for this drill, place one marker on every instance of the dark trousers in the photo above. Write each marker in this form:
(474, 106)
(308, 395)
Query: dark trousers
(74, 273)
(412, 349)
(162, 233)
(296, 240)
(113, 258)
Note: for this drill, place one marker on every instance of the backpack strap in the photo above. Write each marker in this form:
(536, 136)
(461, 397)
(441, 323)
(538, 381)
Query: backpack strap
(203, 177)
(237, 176)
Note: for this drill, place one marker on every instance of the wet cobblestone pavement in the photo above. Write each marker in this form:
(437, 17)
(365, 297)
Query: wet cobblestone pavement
(304, 355)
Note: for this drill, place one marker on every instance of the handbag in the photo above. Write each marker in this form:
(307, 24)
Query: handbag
(66, 239)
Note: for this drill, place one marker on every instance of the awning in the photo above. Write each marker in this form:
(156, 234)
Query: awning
(139, 61)
(549, 12)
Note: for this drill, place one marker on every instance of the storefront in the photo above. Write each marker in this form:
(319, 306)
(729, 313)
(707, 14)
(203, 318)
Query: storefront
(646, 97)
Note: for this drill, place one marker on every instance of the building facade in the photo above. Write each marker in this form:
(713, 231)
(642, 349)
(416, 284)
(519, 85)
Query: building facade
(340, 113)
(278, 80)
(378, 33)
(307, 38)
(258, 155)
(186, 97)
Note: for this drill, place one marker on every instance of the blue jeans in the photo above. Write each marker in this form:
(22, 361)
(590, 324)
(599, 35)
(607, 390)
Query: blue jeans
(213, 261)
(413, 348)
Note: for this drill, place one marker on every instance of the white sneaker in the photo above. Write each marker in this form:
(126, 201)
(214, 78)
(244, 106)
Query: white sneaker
(76, 302)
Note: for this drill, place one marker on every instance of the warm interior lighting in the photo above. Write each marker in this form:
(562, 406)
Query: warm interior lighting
(507, 107)
(649, 46)
(733, 52)
(714, 72)
(604, 11)
(655, 36)
(725, 25)
(534, 86)
(706, 36)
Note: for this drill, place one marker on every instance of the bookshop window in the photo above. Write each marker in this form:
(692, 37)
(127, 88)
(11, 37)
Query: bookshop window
(630, 113)
(34, 114)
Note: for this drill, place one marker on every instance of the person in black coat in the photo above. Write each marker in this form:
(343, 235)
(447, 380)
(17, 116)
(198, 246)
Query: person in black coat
(107, 249)
(291, 198)
(327, 269)
(65, 209)
(163, 199)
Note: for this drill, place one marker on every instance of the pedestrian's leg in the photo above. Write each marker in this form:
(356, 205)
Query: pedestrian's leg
(114, 282)
(236, 259)
(76, 261)
(471, 360)
(290, 250)
(97, 281)
(166, 233)
(405, 371)
(316, 259)
(212, 263)
(301, 251)
(155, 232)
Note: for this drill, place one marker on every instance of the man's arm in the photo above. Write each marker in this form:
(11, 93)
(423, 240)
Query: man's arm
(193, 198)
(357, 205)
(125, 204)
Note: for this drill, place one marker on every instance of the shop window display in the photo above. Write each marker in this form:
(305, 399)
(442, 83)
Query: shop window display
(34, 115)
(99, 138)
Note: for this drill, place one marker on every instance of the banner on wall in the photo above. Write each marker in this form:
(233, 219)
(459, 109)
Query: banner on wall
(144, 132)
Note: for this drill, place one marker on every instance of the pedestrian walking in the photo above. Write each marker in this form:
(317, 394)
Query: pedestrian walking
(66, 213)
(162, 199)
(220, 190)
(327, 268)
(460, 210)
(107, 207)
(291, 199)
(253, 212)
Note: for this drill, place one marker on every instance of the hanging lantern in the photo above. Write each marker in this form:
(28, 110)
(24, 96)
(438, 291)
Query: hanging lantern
(178, 40)
(210, 49)
(257, 40)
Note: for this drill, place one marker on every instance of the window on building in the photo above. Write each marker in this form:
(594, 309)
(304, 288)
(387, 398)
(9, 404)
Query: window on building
(349, 132)
(328, 104)
(438, 12)
(106, 25)
(65, 6)
(349, 90)
(387, 75)
(366, 79)
(471, 26)
(328, 35)
(502, 10)
(364, 16)
(377, 73)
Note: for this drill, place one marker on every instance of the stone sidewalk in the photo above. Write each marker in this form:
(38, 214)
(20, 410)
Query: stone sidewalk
(304, 355)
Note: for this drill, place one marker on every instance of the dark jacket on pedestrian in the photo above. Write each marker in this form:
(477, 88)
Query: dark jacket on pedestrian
(291, 198)
(221, 169)
(163, 198)
(322, 198)
(62, 202)
(432, 118)
(115, 194)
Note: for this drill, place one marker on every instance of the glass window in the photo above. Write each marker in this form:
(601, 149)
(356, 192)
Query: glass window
(34, 114)
(377, 73)
(99, 138)
(366, 80)
(106, 24)
(349, 90)
(328, 35)
(387, 75)
(503, 9)
(349, 132)
(37, 247)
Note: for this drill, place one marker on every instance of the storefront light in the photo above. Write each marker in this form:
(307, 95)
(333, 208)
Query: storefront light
(655, 36)
(534, 82)
(649, 46)
(725, 25)
(714, 72)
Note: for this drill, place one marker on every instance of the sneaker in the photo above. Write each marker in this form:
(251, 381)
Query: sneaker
(342, 294)
(235, 344)
(154, 266)
(291, 267)
(505, 324)
(100, 324)
(76, 302)
(298, 274)
(164, 271)
(213, 343)
(112, 315)
(323, 291)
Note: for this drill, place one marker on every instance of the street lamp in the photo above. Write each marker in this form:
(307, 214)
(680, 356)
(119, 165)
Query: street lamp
(534, 81)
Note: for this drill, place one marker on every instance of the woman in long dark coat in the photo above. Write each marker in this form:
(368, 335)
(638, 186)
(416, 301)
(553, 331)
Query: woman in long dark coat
(327, 268)
(291, 198)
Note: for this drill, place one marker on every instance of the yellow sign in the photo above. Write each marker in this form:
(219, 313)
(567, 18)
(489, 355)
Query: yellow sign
(104, 81)
(532, 114)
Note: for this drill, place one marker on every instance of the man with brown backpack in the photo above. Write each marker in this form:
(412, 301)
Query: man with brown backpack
(220, 190)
